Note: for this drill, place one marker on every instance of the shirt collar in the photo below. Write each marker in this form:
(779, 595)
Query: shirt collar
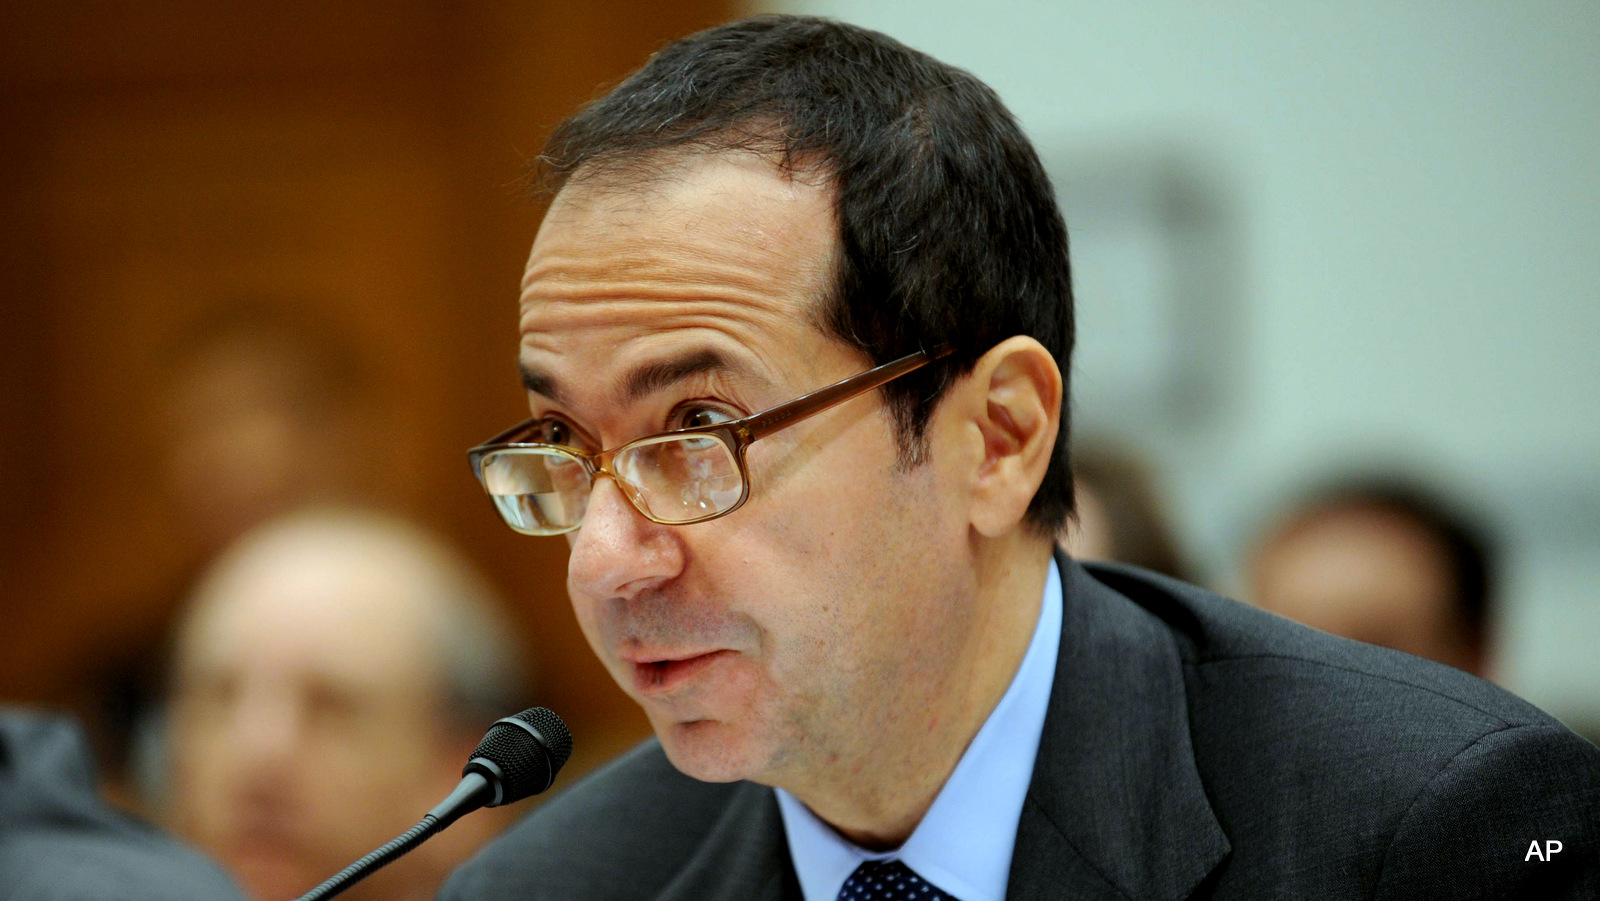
(963, 844)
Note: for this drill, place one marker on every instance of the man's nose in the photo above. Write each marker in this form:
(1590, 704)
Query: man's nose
(267, 725)
(617, 552)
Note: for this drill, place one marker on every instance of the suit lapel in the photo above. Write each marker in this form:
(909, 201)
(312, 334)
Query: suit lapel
(745, 857)
(1116, 808)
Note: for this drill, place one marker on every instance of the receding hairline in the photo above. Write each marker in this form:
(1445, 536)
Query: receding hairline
(638, 170)
(629, 167)
(457, 616)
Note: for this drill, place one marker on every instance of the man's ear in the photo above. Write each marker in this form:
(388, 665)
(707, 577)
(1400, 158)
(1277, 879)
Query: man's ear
(1015, 403)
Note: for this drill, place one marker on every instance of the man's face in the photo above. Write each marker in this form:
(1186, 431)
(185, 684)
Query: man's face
(306, 727)
(1365, 573)
(771, 643)
(241, 449)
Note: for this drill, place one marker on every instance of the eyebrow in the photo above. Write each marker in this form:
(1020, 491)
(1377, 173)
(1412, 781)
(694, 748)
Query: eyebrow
(538, 382)
(644, 380)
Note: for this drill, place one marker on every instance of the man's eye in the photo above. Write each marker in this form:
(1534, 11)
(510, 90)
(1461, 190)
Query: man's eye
(696, 417)
(552, 431)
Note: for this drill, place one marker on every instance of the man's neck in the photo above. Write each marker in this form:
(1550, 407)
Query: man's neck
(877, 797)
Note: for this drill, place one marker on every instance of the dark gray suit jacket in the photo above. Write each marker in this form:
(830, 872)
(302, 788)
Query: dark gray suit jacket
(1194, 748)
(58, 842)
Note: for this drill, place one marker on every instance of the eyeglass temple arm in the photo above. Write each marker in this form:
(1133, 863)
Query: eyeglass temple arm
(808, 405)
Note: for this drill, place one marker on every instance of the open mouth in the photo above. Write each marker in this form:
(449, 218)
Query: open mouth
(662, 676)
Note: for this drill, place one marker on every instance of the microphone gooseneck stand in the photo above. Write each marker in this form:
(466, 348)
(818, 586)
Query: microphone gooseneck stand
(519, 756)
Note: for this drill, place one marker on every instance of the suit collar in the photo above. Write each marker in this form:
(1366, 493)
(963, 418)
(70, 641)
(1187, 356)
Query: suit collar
(964, 842)
(1116, 807)
(744, 858)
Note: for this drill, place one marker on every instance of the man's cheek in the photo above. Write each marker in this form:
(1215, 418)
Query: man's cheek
(735, 686)
(588, 614)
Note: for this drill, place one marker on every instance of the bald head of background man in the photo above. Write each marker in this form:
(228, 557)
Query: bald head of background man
(1384, 563)
(330, 677)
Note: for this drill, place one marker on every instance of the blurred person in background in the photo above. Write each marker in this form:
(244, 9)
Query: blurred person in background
(266, 408)
(1120, 514)
(332, 675)
(1384, 561)
(59, 842)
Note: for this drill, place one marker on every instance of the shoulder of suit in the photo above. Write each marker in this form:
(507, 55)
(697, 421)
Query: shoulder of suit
(1269, 699)
(619, 833)
(1228, 645)
(59, 840)
(1407, 769)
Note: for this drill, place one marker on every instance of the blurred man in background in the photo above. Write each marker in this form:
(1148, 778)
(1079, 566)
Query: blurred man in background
(265, 409)
(1119, 513)
(330, 678)
(1381, 561)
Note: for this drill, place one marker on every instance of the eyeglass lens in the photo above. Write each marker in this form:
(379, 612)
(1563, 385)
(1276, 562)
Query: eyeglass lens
(675, 479)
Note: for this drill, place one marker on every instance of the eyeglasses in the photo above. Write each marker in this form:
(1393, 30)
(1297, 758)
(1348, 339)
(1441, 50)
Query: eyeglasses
(674, 478)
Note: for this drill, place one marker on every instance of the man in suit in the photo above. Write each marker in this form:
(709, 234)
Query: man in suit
(868, 675)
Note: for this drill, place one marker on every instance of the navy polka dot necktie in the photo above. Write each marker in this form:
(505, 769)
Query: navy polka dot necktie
(889, 880)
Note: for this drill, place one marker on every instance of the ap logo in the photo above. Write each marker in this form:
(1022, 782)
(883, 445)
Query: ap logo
(1551, 848)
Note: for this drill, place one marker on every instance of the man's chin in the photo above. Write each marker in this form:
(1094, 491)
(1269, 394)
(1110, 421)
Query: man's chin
(712, 750)
(270, 878)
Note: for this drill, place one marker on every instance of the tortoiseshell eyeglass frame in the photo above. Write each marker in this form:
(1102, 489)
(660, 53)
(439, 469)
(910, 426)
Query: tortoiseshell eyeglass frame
(737, 436)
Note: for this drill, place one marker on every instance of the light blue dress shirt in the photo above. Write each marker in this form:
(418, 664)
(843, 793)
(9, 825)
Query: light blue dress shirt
(963, 844)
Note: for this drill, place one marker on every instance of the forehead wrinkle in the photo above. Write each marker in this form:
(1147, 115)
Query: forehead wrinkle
(736, 342)
(568, 289)
(645, 292)
(545, 325)
(580, 272)
(720, 249)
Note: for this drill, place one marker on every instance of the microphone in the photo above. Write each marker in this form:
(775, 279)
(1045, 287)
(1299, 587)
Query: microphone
(518, 757)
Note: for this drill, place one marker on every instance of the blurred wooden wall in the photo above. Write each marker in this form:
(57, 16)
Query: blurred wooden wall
(157, 156)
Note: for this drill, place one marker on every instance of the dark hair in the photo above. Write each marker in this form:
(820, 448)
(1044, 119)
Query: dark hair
(1465, 546)
(949, 233)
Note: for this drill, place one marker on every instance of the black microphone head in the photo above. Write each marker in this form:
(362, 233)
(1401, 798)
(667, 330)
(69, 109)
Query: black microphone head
(520, 755)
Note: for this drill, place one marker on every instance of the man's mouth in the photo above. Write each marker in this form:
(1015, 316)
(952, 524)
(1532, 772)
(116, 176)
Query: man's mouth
(663, 676)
